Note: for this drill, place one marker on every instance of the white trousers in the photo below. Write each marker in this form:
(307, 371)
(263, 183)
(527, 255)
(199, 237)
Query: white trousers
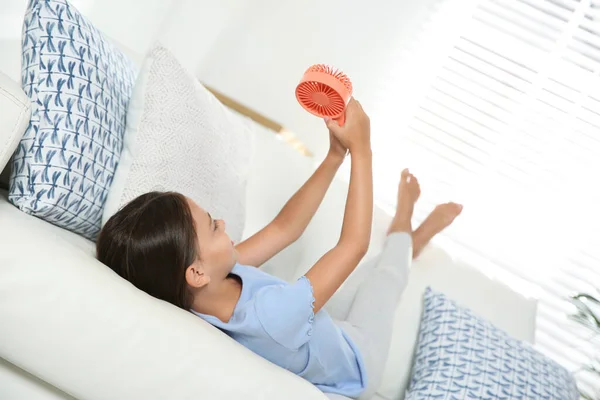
(364, 308)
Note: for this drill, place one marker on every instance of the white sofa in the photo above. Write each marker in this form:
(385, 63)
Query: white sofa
(71, 328)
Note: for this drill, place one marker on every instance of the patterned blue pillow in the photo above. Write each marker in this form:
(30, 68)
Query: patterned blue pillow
(79, 85)
(461, 356)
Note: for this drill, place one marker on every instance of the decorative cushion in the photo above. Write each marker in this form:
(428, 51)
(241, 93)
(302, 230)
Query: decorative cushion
(15, 110)
(79, 85)
(460, 356)
(180, 137)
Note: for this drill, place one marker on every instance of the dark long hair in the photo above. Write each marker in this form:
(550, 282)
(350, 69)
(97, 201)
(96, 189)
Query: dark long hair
(151, 242)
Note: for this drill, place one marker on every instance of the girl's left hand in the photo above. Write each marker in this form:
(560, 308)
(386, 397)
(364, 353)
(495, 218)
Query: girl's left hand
(336, 148)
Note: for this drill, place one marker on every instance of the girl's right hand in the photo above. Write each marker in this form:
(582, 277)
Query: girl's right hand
(355, 135)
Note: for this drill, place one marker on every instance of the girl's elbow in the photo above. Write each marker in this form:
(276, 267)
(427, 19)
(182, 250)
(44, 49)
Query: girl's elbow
(362, 248)
(356, 247)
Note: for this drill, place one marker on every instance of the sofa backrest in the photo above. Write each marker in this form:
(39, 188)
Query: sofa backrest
(277, 172)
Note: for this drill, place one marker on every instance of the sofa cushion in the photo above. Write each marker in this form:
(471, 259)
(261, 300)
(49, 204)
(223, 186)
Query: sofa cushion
(79, 85)
(15, 110)
(77, 325)
(18, 384)
(461, 355)
(181, 138)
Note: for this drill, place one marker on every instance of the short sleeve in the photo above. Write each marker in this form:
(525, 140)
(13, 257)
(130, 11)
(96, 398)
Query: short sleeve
(286, 312)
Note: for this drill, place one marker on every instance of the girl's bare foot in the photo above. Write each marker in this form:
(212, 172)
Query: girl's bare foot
(439, 219)
(408, 194)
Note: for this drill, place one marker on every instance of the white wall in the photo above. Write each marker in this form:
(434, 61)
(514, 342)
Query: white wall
(261, 56)
(194, 27)
(11, 20)
(134, 25)
(189, 27)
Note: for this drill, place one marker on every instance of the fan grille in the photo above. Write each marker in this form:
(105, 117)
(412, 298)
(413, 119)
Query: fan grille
(320, 98)
(336, 73)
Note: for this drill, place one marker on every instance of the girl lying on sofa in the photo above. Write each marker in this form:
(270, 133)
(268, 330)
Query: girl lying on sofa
(168, 246)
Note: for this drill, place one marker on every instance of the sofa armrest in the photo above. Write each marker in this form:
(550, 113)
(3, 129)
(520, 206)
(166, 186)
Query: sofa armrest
(15, 110)
(77, 325)
(16, 383)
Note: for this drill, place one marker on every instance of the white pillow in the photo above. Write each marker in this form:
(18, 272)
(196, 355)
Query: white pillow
(180, 137)
(15, 110)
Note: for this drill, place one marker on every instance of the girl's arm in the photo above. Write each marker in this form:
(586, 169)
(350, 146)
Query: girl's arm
(295, 216)
(328, 274)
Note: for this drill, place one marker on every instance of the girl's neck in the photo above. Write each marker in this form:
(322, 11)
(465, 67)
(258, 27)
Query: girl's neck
(219, 298)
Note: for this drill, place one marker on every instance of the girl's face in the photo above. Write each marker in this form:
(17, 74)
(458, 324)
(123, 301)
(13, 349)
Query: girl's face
(217, 251)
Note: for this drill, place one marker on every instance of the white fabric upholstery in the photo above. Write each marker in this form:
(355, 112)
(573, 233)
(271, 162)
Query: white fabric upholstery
(279, 182)
(15, 110)
(176, 138)
(16, 384)
(75, 324)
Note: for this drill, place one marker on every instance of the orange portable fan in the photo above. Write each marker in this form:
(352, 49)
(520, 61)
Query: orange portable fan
(325, 91)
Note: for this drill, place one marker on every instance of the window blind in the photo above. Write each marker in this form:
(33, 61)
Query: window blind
(508, 122)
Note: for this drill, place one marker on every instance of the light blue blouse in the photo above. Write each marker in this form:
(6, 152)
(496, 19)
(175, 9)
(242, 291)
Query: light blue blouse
(275, 320)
